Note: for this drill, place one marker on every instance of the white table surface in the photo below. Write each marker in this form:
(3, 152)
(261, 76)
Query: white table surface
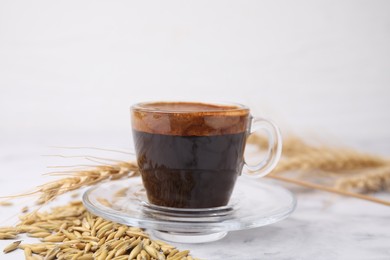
(323, 226)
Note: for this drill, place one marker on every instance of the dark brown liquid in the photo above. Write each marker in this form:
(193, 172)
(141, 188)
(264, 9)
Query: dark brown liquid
(189, 171)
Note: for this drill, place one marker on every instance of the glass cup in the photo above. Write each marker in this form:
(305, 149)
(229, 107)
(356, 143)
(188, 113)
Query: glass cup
(190, 154)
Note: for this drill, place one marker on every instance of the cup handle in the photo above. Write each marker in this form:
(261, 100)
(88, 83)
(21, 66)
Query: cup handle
(274, 148)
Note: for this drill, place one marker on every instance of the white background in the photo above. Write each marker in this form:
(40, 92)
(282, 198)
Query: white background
(69, 71)
(75, 67)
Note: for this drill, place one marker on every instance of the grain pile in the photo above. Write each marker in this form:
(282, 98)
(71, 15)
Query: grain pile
(71, 232)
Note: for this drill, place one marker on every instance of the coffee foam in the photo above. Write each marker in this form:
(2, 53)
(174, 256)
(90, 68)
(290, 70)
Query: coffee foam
(189, 119)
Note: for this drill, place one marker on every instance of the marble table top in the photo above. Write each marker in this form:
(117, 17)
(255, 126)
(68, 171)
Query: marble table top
(323, 226)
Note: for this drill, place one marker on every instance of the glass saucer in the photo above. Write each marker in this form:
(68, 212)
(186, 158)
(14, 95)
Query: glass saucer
(253, 204)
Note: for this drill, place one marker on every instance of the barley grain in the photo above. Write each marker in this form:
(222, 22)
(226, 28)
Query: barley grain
(6, 203)
(151, 251)
(11, 247)
(136, 250)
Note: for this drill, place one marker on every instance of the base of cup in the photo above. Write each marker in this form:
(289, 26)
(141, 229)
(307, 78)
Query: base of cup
(192, 237)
